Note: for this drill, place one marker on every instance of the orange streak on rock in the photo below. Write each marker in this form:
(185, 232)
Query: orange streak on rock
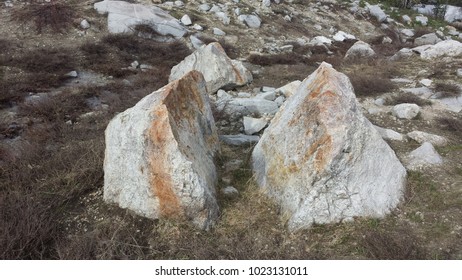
(161, 182)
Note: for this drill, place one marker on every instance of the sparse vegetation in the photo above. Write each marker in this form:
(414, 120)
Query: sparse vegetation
(447, 90)
(283, 58)
(55, 15)
(369, 84)
(451, 124)
(398, 244)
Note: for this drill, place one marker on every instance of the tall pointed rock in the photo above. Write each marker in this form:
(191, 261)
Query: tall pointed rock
(322, 160)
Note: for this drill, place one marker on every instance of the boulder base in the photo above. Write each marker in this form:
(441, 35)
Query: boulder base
(159, 155)
(322, 160)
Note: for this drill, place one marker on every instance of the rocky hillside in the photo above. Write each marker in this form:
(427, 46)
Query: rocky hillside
(230, 130)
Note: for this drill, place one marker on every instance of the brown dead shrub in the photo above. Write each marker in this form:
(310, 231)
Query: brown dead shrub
(399, 244)
(447, 90)
(55, 15)
(283, 58)
(370, 84)
(451, 124)
(58, 108)
(36, 192)
(45, 60)
(115, 52)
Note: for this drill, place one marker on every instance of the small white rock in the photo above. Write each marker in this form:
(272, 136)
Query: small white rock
(72, 74)
(204, 7)
(405, 111)
(407, 19)
(186, 20)
(218, 32)
(424, 156)
(135, 64)
(389, 134)
(422, 137)
(84, 24)
(230, 191)
(422, 20)
(253, 125)
(426, 82)
(197, 27)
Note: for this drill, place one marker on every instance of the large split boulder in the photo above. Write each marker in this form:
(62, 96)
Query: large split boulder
(124, 16)
(159, 154)
(218, 69)
(322, 161)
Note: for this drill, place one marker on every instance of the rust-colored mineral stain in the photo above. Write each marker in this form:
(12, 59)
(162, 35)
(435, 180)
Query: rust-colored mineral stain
(323, 148)
(160, 180)
(239, 78)
(184, 98)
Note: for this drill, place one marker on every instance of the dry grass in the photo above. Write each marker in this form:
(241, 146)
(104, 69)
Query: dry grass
(445, 90)
(283, 58)
(114, 53)
(33, 71)
(370, 84)
(55, 15)
(398, 244)
(35, 193)
(421, 30)
(451, 124)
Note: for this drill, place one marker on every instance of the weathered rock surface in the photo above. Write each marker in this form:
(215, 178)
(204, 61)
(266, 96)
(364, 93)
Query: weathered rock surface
(288, 89)
(377, 12)
(443, 48)
(405, 111)
(427, 39)
(340, 36)
(253, 125)
(251, 21)
(424, 92)
(422, 157)
(218, 69)
(123, 17)
(239, 139)
(322, 160)
(247, 106)
(159, 154)
(389, 134)
(358, 50)
(422, 137)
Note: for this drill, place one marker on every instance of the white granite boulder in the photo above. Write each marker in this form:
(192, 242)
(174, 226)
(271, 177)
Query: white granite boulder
(405, 111)
(389, 134)
(123, 17)
(159, 155)
(218, 69)
(422, 137)
(322, 161)
(251, 21)
(422, 157)
(444, 48)
(359, 49)
(427, 39)
(377, 12)
(254, 125)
